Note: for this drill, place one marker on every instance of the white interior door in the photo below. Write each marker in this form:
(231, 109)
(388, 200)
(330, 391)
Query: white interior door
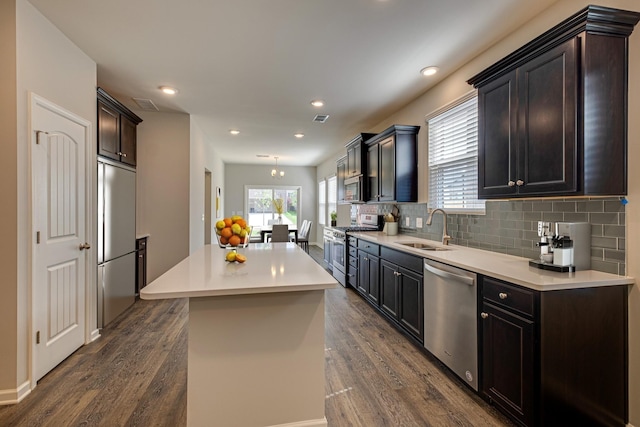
(58, 172)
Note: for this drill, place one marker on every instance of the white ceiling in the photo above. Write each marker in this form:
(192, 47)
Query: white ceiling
(255, 65)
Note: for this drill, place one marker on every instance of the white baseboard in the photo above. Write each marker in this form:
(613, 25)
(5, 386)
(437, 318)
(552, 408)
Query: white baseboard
(307, 423)
(95, 334)
(13, 396)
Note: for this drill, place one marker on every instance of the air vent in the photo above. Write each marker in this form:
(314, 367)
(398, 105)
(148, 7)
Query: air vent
(146, 104)
(262, 155)
(321, 118)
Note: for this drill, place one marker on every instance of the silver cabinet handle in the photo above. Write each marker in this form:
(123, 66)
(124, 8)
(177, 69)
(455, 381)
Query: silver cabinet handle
(84, 246)
(502, 295)
(484, 315)
(124, 154)
(519, 183)
(511, 183)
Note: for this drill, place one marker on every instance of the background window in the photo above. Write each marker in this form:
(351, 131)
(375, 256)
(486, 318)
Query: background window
(453, 156)
(322, 202)
(332, 195)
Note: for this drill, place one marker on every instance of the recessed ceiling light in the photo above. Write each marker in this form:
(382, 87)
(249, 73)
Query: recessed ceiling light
(317, 103)
(299, 135)
(234, 131)
(168, 90)
(429, 71)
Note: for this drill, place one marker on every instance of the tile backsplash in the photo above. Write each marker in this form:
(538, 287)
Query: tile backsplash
(511, 226)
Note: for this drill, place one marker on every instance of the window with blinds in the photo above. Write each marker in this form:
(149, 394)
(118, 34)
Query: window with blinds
(453, 156)
(322, 202)
(332, 195)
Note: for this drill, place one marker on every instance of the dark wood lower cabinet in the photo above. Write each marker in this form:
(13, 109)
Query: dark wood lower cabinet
(555, 358)
(141, 263)
(508, 364)
(368, 276)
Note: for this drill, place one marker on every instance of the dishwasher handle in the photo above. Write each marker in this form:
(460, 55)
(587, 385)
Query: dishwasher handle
(447, 275)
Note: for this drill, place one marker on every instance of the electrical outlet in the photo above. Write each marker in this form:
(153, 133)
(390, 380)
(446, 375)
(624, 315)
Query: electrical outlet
(407, 221)
(418, 222)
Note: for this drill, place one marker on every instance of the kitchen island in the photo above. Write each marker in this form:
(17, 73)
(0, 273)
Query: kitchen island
(256, 335)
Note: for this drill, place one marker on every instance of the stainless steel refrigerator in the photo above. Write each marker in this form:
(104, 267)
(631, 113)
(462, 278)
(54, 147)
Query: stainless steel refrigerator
(116, 240)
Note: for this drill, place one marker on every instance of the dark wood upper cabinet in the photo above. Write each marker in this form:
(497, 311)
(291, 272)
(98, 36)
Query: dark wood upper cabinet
(116, 130)
(553, 114)
(356, 156)
(392, 165)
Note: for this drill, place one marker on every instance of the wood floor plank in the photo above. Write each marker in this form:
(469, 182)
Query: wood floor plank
(136, 375)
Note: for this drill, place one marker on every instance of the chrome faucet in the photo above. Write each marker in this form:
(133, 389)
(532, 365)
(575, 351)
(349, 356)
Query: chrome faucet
(445, 235)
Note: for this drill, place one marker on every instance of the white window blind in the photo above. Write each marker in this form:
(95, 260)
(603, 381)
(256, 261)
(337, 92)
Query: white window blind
(453, 157)
(322, 202)
(332, 194)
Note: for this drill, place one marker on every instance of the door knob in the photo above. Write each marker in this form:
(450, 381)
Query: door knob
(511, 183)
(519, 183)
(502, 295)
(484, 315)
(84, 246)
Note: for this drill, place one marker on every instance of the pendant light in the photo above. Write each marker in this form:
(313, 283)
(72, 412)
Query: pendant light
(277, 173)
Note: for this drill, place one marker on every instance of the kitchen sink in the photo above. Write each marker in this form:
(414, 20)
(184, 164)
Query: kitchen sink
(423, 246)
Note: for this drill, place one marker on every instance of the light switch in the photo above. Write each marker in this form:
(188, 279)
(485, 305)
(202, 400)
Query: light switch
(418, 222)
(407, 221)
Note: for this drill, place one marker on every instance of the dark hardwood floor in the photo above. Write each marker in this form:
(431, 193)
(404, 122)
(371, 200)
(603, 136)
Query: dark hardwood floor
(135, 375)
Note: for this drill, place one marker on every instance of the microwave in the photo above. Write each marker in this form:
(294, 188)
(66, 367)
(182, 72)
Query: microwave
(353, 191)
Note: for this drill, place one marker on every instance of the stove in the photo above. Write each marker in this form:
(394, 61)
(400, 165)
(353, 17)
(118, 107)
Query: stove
(336, 247)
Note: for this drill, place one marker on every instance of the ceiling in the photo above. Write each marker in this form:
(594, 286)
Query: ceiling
(255, 65)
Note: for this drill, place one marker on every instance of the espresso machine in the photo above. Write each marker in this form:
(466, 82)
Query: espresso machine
(564, 246)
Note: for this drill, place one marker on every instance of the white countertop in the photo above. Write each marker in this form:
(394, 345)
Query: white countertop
(506, 267)
(270, 268)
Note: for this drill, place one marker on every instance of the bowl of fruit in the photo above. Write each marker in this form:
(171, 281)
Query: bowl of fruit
(233, 232)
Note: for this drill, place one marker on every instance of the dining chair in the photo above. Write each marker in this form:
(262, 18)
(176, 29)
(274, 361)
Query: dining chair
(303, 236)
(279, 233)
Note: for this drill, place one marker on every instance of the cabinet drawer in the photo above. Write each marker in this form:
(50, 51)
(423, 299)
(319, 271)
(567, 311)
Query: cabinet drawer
(353, 252)
(353, 261)
(352, 277)
(403, 259)
(369, 247)
(353, 241)
(507, 295)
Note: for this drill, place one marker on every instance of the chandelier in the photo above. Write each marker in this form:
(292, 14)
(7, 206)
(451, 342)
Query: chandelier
(277, 173)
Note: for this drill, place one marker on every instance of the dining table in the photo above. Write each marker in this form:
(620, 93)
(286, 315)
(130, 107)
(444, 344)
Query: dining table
(267, 229)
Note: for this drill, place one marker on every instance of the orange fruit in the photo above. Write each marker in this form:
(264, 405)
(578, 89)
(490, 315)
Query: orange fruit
(234, 240)
(226, 232)
(224, 240)
(242, 223)
(228, 222)
(240, 258)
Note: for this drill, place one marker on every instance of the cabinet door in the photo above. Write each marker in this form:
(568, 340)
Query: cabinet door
(497, 133)
(127, 141)
(356, 167)
(507, 361)
(411, 313)
(547, 92)
(374, 279)
(108, 132)
(363, 273)
(389, 288)
(373, 189)
(387, 183)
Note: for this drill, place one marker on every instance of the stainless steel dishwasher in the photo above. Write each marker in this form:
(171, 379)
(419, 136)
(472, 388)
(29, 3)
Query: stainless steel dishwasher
(450, 318)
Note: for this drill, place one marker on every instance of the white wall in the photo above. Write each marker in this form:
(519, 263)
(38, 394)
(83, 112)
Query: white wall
(70, 82)
(162, 178)
(203, 156)
(237, 176)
